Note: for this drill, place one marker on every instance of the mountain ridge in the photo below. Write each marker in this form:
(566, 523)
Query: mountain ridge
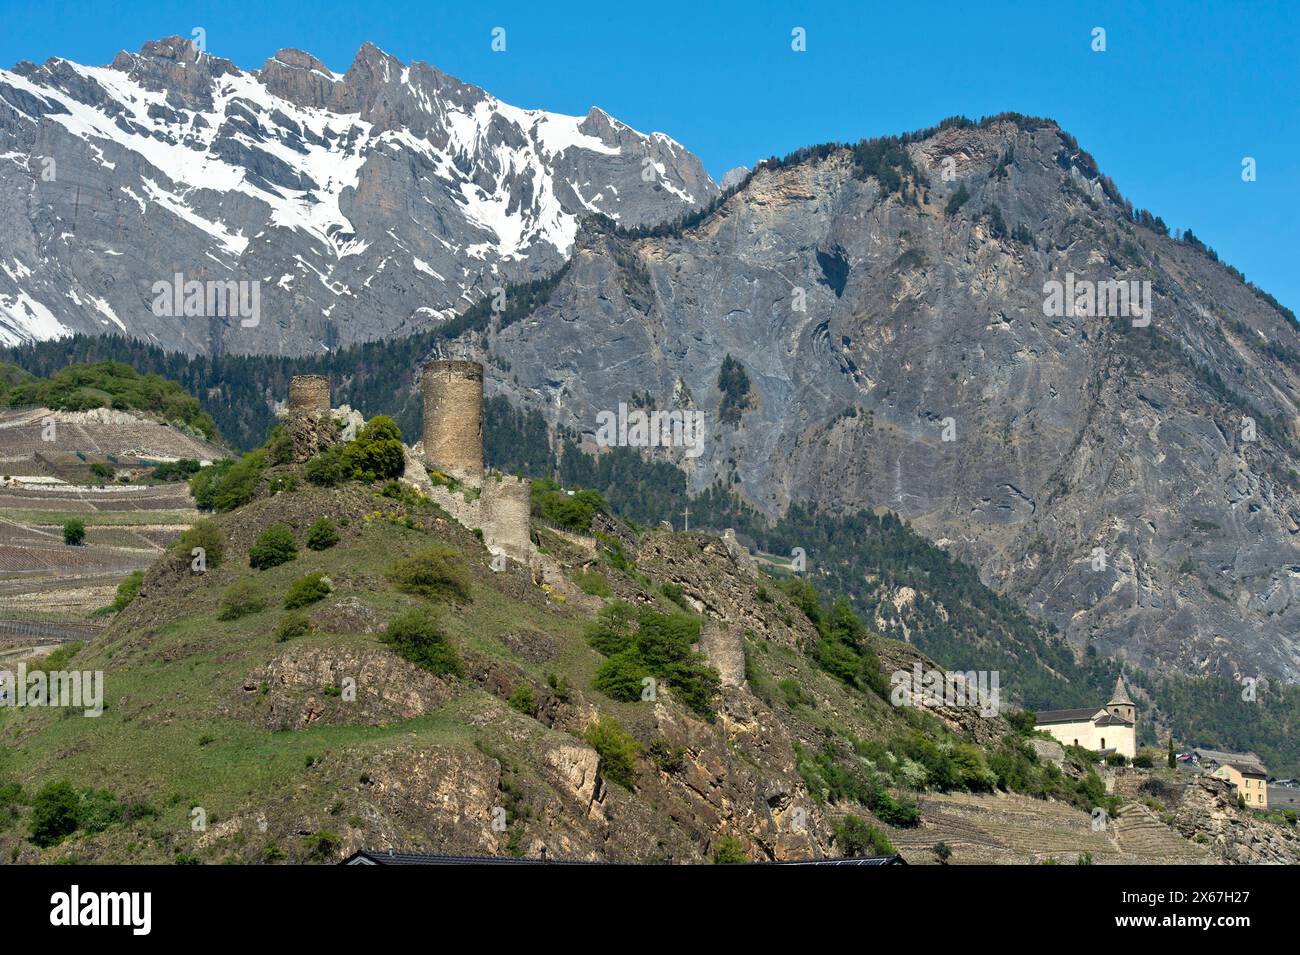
(363, 204)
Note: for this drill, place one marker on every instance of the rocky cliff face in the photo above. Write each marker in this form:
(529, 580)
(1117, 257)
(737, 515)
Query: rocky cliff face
(370, 203)
(1130, 476)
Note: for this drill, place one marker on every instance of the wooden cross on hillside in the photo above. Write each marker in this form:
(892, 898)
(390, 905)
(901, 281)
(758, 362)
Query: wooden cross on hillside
(686, 516)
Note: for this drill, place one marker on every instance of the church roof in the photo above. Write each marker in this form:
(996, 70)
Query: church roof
(1121, 694)
(1098, 717)
(1065, 716)
(1110, 719)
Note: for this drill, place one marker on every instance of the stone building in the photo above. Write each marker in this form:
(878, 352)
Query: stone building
(1112, 727)
(309, 393)
(1243, 771)
(500, 505)
(453, 418)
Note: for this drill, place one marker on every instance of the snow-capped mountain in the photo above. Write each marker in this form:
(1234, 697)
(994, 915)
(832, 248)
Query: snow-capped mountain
(177, 198)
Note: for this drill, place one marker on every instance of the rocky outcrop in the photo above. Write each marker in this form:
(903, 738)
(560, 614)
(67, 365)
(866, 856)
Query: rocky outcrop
(1208, 814)
(900, 355)
(339, 683)
(713, 583)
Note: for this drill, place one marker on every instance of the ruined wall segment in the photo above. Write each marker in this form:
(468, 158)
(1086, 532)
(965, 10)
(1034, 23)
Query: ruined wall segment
(309, 394)
(506, 515)
(453, 418)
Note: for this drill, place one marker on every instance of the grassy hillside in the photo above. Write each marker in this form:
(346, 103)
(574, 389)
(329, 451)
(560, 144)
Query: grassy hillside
(106, 384)
(383, 685)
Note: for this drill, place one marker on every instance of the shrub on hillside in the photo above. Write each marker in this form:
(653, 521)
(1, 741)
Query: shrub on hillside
(573, 511)
(74, 532)
(181, 470)
(327, 468)
(617, 749)
(322, 535)
(377, 453)
(307, 590)
(279, 448)
(274, 546)
(524, 700)
(857, 837)
(728, 851)
(621, 677)
(592, 582)
(237, 485)
(55, 810)
(416, 637)
(293, 624)
(240, 599)
(207, 536)
(127, 591)
(614, 628)
(436, 574)
(59, 810)
(204, 484)
(644, 642)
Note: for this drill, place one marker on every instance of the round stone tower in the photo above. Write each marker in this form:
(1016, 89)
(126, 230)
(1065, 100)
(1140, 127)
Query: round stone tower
(309, 393)
(453, 418)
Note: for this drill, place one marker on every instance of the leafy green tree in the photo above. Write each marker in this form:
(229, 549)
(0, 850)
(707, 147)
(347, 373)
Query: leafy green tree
(322, 535)
(56, 809)
(617, 748)
(857, 837)
(377, 453)
(274, 546)
(74, 532)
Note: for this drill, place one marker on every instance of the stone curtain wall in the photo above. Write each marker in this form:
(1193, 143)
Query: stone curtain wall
(505, 515)
(453, 418)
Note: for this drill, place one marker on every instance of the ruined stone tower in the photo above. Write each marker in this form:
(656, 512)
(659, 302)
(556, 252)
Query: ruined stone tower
(309, 393)
(453, 418)
(309, 423)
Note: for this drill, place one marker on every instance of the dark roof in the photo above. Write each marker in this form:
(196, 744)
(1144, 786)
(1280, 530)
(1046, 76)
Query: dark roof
(1110, 719)
(390, 857)
(1067, 716)
(367, 857)
(1247, 769)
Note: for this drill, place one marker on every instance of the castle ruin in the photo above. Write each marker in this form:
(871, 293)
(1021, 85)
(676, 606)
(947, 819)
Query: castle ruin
(309, 417)
(451, 448)
(309, 394)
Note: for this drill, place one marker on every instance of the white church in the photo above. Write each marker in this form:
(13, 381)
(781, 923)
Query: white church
(1111, 728)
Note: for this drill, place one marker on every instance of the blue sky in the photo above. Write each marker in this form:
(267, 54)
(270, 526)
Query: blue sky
(1183, 92)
